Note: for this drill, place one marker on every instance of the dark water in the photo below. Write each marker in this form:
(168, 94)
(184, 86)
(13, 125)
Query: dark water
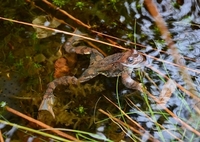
(128, 20)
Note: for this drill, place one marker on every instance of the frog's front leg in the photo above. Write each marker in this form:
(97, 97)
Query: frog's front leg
(129, 82)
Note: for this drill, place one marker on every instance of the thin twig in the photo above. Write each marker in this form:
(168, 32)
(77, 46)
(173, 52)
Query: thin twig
(129, 118)
(174, 116)
(124, 129)
(84, 25)
(124, 124)
(179, 86)
(63, 32)
(167, 37)
(97, 48)
(1, 137)
(67, 14)
(154, 121)
(41, 124)
(134, 122)
(91, 39)
(167, 62)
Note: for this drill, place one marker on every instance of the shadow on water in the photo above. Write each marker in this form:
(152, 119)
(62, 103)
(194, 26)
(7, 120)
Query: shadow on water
(27, 65)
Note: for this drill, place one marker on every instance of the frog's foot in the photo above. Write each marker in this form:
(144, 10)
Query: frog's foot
(73, 41)
(95, 55)
(130, 83)
(49, 98)
(141, 88)
(85, 50)
(71, 47)
(47, 104)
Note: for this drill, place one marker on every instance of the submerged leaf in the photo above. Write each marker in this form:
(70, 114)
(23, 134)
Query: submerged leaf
(39, 58)
(167, 91)
(45, 21)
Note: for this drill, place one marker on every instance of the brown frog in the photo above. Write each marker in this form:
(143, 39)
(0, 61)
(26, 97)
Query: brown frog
(119, 64)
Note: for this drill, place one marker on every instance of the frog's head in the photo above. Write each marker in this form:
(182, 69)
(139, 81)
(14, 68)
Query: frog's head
(133, 59)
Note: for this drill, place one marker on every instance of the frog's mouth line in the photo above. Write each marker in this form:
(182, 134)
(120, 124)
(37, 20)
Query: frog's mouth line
(132, 66)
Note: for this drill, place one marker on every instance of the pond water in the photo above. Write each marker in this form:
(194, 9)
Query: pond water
(27, 66)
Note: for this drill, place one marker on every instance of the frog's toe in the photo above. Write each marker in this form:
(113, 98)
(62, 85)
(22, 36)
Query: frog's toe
(47, 104)
(141, 87)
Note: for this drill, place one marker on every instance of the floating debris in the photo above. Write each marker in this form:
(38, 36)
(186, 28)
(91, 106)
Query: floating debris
(47, 21)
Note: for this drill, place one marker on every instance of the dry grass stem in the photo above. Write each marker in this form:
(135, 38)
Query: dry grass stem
(41, 124)
(63, 32)
(1, 137)
(131, 120)
(175, 116)
(152, 119)
(65, 13)
(126, 125)
(179, 86)
(178, 59)
(167, 62)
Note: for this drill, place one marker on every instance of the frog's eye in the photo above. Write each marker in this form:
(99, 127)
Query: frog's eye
(130, 59)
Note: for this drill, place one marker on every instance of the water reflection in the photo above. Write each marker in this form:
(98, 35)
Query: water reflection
(187, 41)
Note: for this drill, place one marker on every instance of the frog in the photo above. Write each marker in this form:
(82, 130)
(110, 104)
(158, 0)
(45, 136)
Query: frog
(119, 64)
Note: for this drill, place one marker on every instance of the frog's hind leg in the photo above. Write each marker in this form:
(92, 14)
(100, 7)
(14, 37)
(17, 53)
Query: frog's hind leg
(48, 98)
(95, 56)
(70, 47)
(71, 42)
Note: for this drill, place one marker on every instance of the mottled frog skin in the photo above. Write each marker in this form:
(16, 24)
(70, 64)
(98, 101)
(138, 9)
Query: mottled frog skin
(119, 64)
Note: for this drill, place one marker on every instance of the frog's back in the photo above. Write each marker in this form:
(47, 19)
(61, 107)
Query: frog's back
(109, 66)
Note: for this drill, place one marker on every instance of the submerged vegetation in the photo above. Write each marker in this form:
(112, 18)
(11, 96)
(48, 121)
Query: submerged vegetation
(101, 108)
(60, 3)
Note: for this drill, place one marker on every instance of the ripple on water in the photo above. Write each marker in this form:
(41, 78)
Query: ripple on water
(186, 36)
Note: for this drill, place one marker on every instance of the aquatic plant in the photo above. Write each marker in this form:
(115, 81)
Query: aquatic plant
(113, 3)
(85, 89)
(79, 5)
(60, 3)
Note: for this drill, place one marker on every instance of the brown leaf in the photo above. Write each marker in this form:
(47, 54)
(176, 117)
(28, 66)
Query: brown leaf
(167, 91)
